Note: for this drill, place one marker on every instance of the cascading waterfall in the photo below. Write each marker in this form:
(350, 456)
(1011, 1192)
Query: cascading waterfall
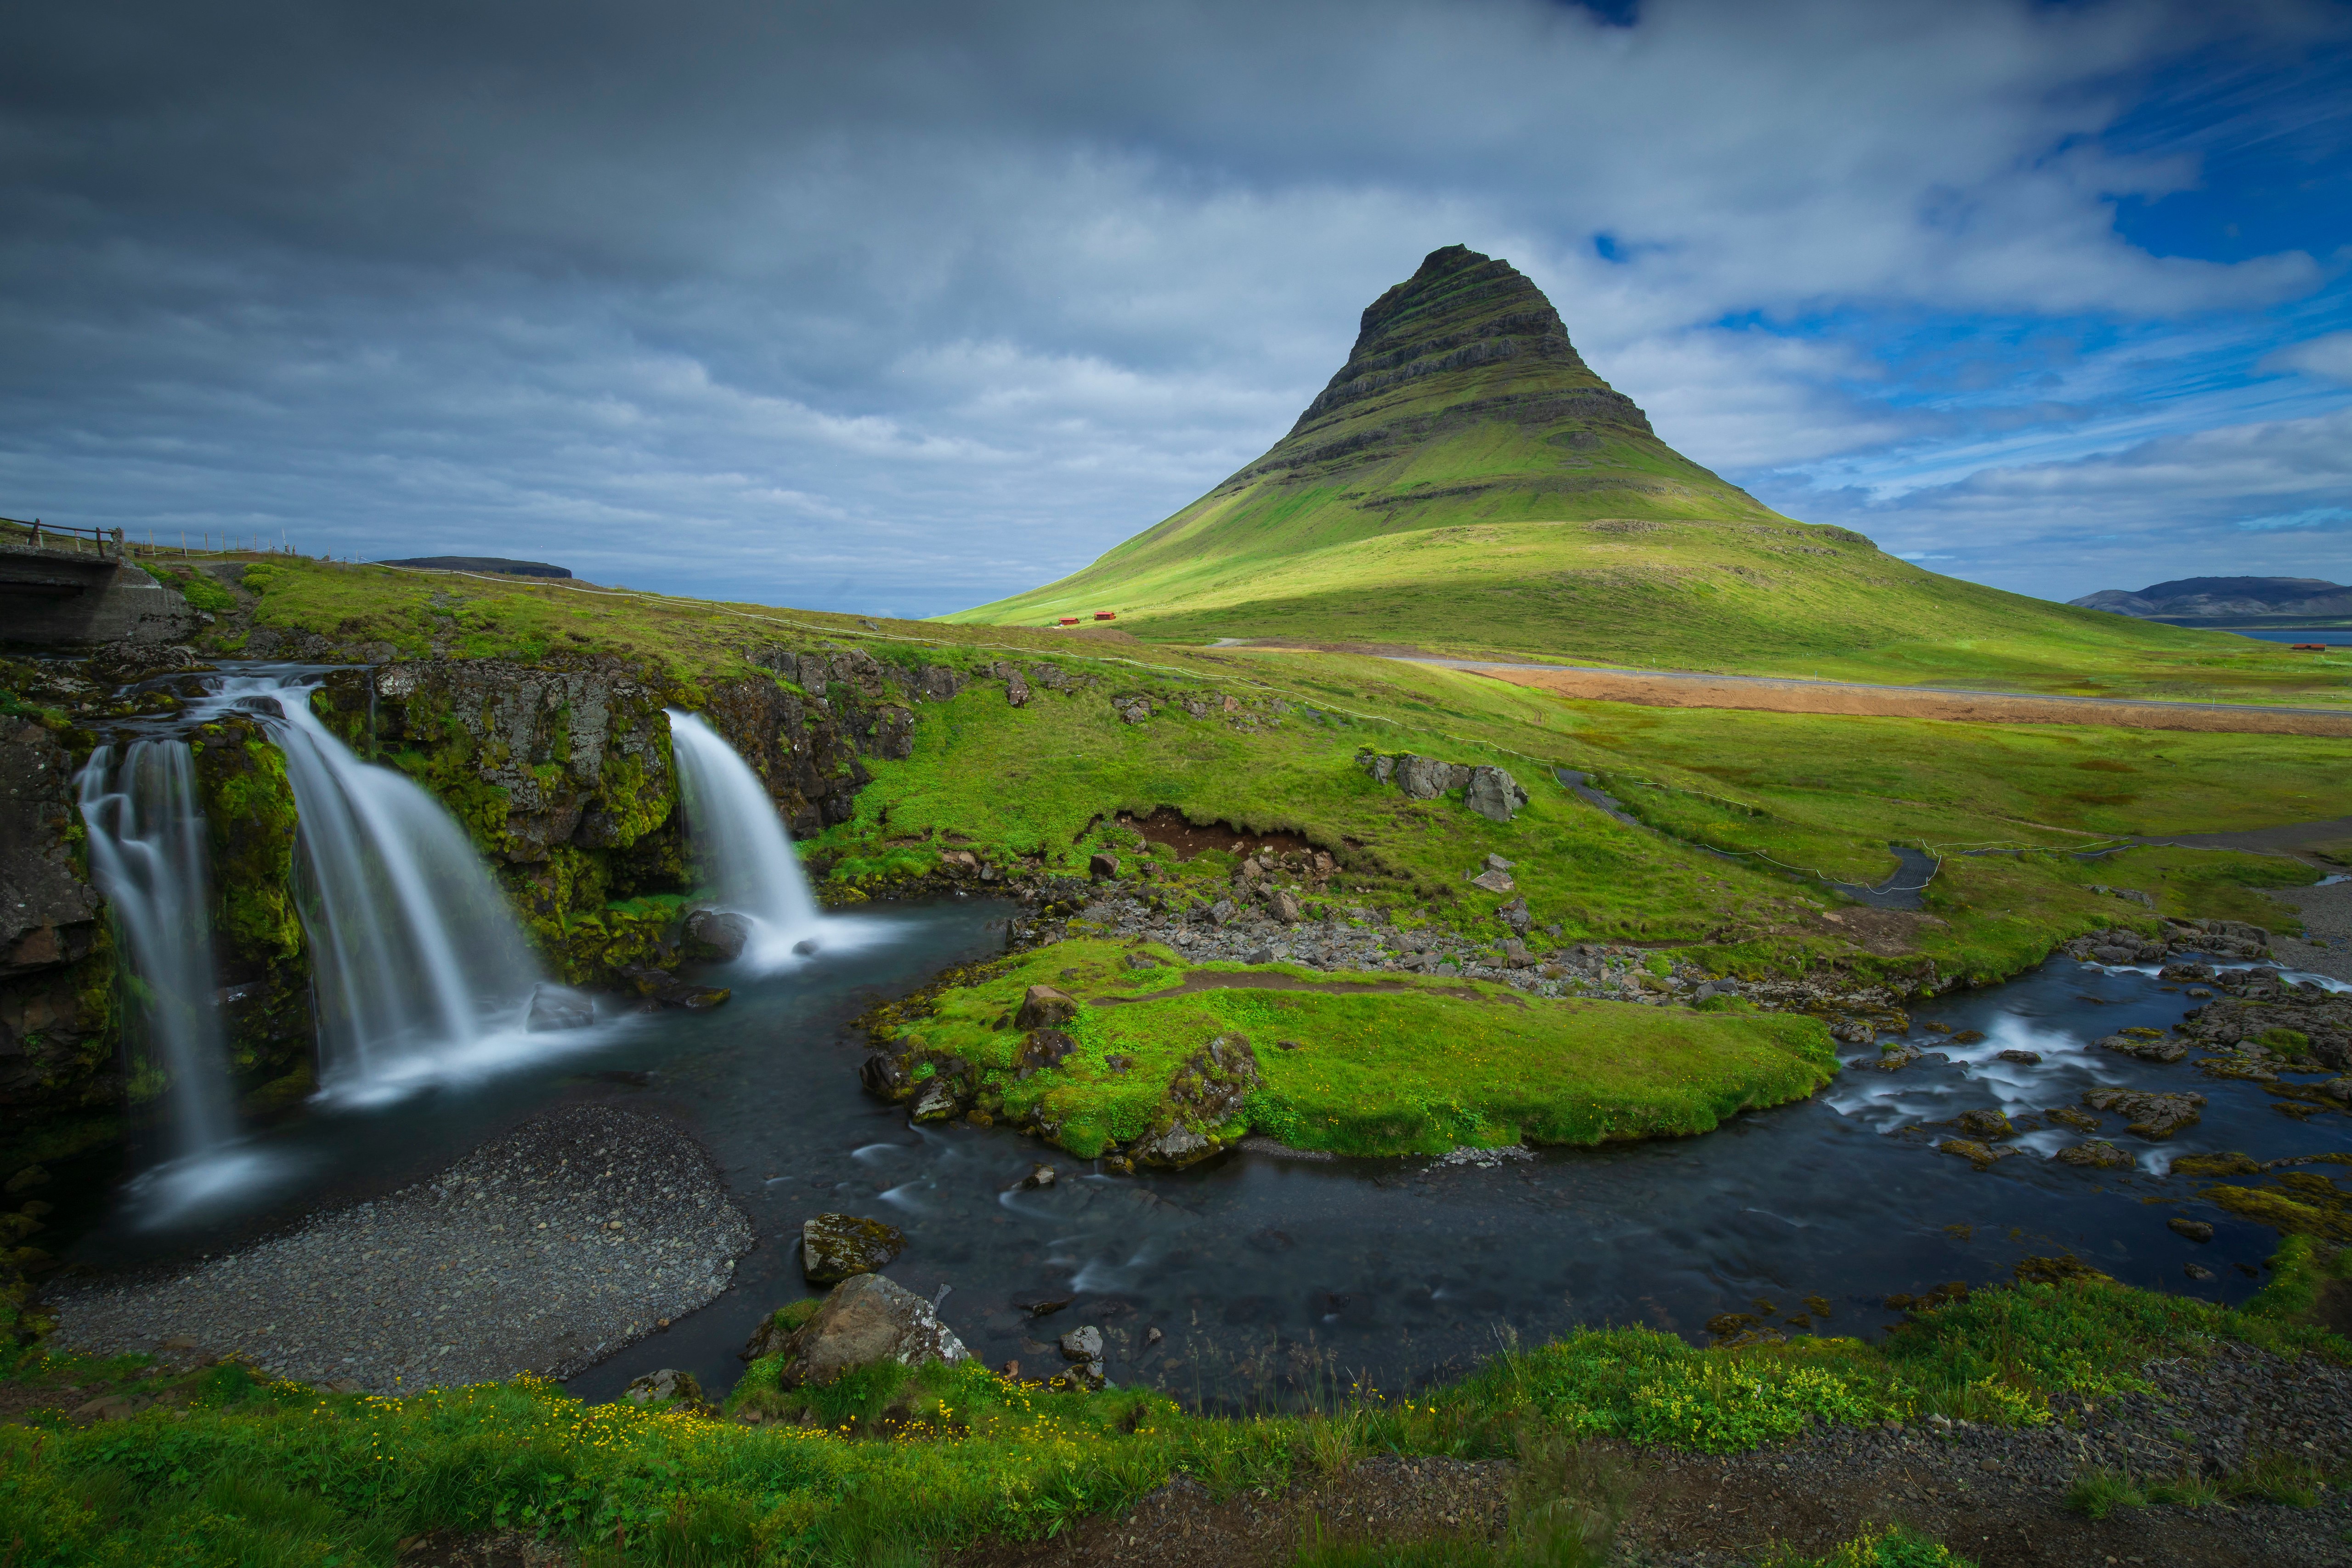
(147, 855)
(417, 965)
(739, 843)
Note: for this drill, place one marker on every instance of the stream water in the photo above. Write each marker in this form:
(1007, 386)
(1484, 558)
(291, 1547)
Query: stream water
(1266, 1273)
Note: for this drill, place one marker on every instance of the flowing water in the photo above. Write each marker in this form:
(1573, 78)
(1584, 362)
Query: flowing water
(740, 848)
(147, 855)
(419, 970)
(1265, 1273)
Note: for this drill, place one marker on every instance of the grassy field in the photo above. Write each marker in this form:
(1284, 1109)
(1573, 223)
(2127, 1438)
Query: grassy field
(229, 1467)
(1422, 1066)
(1804, 796)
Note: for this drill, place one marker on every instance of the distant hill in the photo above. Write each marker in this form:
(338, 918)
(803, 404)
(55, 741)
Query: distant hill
(1466, 482)
(482, 564)
(2205, 597)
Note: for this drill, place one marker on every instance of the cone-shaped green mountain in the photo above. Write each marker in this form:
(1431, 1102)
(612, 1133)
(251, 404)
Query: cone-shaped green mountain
(1466, 481)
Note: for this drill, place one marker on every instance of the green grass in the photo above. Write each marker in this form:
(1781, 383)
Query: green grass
(234, 1469)
(1426, 1067)
(1817, 794)
(1884, 1546)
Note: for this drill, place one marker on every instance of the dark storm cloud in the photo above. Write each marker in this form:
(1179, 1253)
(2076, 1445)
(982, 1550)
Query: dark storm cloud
(939, 301)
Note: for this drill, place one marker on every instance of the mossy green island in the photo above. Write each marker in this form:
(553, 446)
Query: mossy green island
(1176, 1062)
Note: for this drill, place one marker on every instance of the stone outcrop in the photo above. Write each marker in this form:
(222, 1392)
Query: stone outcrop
(862, 1321)
(55, 999)
(1491, 792)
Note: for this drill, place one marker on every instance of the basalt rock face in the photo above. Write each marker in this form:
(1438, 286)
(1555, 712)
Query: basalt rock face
(56, 994)
(563, 772)
(1459, 311)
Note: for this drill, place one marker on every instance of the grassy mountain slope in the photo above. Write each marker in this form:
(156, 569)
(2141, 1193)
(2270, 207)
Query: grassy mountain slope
(1467, 482)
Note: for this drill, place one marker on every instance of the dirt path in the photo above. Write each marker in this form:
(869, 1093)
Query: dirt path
(1671, 688)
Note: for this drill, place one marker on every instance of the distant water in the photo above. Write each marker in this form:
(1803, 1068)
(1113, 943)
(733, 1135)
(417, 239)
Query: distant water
(2335, 637)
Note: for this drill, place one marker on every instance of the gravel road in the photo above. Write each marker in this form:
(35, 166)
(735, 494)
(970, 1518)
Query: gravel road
(543, 1251)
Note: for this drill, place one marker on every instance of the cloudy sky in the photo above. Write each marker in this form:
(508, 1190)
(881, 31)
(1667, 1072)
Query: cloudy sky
(898, 308)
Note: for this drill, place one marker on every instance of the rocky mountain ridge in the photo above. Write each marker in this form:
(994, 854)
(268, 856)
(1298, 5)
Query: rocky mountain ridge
(2208, 596)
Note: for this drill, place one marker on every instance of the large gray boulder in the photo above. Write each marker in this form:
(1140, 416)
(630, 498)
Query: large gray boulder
(1494, 794)
(1427, 778)
(719, 934)
(869, 1318)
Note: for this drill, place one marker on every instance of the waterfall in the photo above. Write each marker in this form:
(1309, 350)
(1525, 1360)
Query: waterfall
(739, 844)
(417, 965)
(147, 856)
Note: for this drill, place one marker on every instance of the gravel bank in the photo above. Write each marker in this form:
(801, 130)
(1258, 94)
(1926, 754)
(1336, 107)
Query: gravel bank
(543, 1251)
(2327, 921)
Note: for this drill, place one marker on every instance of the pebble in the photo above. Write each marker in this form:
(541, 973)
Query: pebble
(543, 1251)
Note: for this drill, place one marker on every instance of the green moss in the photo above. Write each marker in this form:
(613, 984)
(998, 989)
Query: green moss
(1375, 1064)
(198, 588)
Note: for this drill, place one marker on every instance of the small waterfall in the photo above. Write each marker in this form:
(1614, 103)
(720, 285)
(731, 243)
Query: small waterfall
(739, 843)
(417, 961)
(147, 856)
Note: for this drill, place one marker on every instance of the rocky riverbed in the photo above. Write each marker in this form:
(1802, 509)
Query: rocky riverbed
(541, 1251)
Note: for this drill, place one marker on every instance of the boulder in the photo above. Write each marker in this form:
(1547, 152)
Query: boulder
(1102, 864)
(646, 980)
(1040, 1175)
(691, 998)
(1173, 1147)
(667, 1386)
(2151, 1116)
(2026, 1058)
(1041, 1049)
(2194, 1229)
(1515, 916)
(2098, 1154)
(1981, 1156)
(554, 1007)
(718, 935)
(937, 1103)
(882, 1075)
(1497, 882)
(2147, 1045)
(1083, 1344)
(1043, 1007)
(868, 1319)
(1427, 778)
(834, 1247)
(1286, 907)
(1494, 794)
(1984, 1123)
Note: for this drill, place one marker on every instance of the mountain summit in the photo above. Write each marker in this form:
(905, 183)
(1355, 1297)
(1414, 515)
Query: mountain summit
(1465, 480)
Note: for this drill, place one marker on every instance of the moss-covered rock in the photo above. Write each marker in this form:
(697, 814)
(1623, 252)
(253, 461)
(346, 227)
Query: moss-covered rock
(262, 954)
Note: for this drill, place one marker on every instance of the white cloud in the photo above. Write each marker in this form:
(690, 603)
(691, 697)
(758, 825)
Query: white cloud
(950, 301)
(2329, 357)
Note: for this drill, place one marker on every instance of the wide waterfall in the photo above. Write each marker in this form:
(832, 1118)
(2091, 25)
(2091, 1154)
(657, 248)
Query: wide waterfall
(740, 846)
(147, 855)
(418, 968)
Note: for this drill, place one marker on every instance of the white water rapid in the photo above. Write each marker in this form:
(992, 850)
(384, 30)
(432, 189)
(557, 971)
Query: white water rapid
(147, 856)
(419, 970)
(739, 844)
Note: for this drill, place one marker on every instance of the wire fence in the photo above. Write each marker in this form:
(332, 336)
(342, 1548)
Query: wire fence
(118, 544)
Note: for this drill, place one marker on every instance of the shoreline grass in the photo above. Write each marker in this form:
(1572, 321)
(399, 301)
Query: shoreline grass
(229, 1467)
